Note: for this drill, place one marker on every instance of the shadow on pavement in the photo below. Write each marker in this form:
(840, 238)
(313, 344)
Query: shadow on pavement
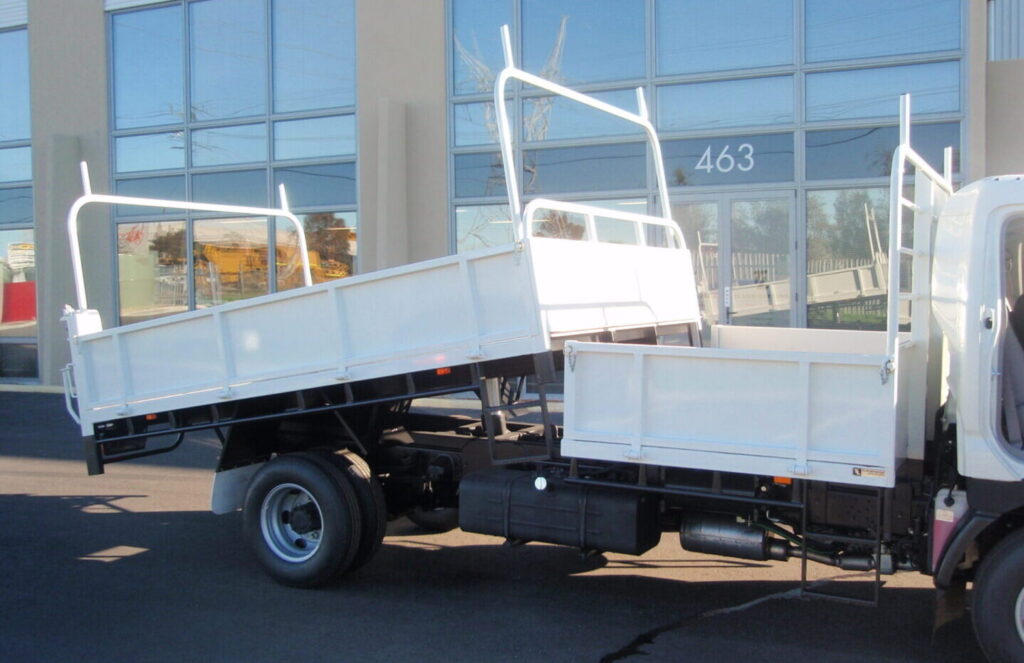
(85, 580)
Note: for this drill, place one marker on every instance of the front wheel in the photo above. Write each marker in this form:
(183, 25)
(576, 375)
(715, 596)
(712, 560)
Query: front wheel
(997, 602)
(301, 518)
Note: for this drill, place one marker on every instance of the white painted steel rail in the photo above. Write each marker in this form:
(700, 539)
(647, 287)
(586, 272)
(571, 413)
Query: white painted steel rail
(511, 72)
(903, 156)
(91, 198)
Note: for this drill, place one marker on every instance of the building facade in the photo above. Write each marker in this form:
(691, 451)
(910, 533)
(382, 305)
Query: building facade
(778, 118)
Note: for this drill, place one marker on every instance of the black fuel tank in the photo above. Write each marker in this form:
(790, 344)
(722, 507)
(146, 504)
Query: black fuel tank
(507, 503)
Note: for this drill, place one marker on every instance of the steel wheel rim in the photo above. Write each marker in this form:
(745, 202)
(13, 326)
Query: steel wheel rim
(275, 523)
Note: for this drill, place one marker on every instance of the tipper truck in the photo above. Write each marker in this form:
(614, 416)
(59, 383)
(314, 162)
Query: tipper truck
(869, 451)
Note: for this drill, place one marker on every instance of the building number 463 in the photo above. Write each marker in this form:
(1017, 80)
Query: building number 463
(725, 161)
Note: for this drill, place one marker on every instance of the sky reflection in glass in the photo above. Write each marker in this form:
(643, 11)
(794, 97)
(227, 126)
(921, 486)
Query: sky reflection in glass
(697, 36)
(15, 121)
(314, 54)
(229, 59)
(840, 29)
(599, 40)
(736, 103)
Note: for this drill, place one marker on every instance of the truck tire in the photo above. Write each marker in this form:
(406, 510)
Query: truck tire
(373, 507)
(997, 601)
(301, 517)
(435, 520)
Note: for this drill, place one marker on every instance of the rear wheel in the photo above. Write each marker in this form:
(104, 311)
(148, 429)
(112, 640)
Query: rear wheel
(372, 504)
(997, 602)
(301, 518)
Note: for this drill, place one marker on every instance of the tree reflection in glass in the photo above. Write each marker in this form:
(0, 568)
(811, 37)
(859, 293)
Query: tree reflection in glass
(847, 258)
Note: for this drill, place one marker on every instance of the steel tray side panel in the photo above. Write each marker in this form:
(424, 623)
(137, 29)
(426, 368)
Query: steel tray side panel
(852, 417)
(699, 398)
(180, 356)
(102, 370)
(586, 286)
(442, 312)
(817, 416)
(266, 339)
(504, 297)
(396, 315)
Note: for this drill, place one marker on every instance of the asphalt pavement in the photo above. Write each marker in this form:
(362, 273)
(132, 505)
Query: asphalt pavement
(132, 566)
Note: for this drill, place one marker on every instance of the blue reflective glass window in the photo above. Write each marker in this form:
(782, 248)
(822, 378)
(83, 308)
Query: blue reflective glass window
(314, 54)
(590, 168)
(839, 29)
(150, 152)
(316, 137)
(229, 59)
(19, 360)
(729, 160)
(634, 205)
(222, 146)
(735, 103)
(475, 124)
(16, 164)
(479, 175)
(696, 35)
(247, 187)
(574, 42)
(477, 56)
(558, 118)
(334, 184)
(148, 62)
(867, 152)
(481, 226)
(557, 224)
(16, 206)
(230, 259)
(862, 93)
(332, 241)
(615, 231)
(164, 188)
(15, 122)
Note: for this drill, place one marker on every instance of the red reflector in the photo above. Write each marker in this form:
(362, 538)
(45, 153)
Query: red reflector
(785, 481)
(444, 371)
(150, 417)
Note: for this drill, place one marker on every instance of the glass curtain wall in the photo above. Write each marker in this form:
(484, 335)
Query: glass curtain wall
(18, 328)
(753, 99)
(221, 101)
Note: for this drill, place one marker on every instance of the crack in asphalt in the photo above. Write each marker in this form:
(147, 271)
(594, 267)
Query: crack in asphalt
(648, 637)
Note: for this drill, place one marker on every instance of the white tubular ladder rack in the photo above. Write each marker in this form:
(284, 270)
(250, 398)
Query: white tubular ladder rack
(930, 193)
(927, 176)
(511, 72)
(89, 197)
